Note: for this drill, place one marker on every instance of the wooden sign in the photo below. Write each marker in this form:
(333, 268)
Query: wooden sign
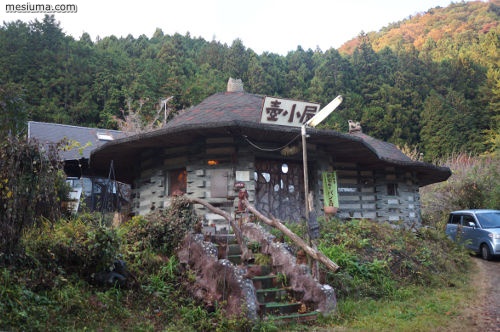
(287, 112)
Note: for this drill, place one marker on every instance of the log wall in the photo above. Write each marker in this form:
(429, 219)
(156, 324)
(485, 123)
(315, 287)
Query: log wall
(383, 194)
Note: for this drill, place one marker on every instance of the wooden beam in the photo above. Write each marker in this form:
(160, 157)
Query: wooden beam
(315, 254)
(246, 255)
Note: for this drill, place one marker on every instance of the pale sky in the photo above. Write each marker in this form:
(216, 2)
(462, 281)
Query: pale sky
(276, 26)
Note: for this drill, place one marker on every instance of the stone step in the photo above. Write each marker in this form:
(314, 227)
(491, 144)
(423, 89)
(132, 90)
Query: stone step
(233, 249)
(278, 308)
(223, 238)
(276, 301)
(274, 295)
(259, 270)
(282, 294)
(235, 259)
(297, 318)
(265, 281)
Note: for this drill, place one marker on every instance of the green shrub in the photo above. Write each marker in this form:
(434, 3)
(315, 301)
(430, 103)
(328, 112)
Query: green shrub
(158, 233)
(20, 305)
(32, 185)
(149, 241)
(82, 245)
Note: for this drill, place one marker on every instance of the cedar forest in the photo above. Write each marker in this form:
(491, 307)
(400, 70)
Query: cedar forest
(430, 82)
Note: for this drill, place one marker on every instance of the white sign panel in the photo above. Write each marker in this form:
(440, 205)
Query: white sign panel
(242, 176)
(287, 112)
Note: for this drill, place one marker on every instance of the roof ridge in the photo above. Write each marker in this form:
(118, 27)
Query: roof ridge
(72, 126)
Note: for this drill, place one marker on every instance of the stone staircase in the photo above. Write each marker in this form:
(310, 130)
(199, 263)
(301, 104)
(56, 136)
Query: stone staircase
(276, 299)
(272, 286)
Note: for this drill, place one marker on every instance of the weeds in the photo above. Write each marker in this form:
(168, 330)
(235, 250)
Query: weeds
(376, 259)
(474, 183)
(380, 266)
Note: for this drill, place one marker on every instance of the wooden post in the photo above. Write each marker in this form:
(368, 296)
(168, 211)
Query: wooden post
(306, 174)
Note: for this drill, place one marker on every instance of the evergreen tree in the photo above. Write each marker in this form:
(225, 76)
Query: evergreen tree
(236, 60)
(12, 110)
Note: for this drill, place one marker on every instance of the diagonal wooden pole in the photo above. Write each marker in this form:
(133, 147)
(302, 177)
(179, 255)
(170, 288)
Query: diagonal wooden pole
(246, 255)
(313, 253)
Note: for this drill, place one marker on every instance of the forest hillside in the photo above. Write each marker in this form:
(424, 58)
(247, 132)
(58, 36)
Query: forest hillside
(430, 82)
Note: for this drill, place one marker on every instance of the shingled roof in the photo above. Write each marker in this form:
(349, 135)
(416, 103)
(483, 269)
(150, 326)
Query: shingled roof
(238, 114)
(222, 107)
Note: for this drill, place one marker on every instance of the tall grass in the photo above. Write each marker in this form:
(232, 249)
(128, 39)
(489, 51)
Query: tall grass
(377, 260)
(474, 184)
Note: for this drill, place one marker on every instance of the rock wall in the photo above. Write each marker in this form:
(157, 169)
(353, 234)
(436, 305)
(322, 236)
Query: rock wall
(217, 280)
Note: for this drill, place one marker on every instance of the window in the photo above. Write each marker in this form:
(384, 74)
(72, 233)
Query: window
(104, 137)
(278, 187)
(392, 189)
(177, 181)
(454, 219)
(467, 220)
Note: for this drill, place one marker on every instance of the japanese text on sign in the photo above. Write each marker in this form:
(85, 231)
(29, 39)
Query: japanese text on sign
(287, 112)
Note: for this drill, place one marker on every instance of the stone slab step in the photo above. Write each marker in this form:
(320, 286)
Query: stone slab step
(266, 281)
(278, 308)
(223, 238)
(235, 259)
(274, 295)
(296, 318)
(259, 270)
(234, 249)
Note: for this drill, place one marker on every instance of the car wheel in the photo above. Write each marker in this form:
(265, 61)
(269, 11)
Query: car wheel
(485, 252)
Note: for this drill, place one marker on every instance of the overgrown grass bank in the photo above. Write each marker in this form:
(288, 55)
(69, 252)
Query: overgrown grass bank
(388, 278)
(411, 309)
(393, 279)
(474, 184)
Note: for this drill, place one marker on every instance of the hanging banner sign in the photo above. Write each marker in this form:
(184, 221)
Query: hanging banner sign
(287, 112)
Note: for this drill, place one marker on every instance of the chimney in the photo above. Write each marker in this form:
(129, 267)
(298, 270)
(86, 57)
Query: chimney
(234, 85)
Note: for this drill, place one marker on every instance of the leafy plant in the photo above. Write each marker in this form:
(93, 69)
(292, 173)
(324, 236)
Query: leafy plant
(164, 281)
(254, 246)
(32, 186)
(262, 259)
(161, 231)
(282, 279)
(82, 245)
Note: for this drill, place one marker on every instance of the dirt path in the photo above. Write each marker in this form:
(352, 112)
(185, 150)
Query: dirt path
(488, 306)
(483, 313)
